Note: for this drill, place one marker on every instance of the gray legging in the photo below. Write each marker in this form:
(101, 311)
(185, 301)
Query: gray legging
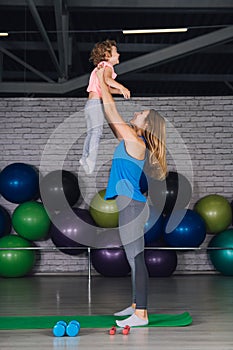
(132, 218)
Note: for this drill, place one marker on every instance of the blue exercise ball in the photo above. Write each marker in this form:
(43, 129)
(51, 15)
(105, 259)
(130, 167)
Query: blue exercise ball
(5, 222)
(19, 182)
(222, 258)
(153, 229)
(184, 228)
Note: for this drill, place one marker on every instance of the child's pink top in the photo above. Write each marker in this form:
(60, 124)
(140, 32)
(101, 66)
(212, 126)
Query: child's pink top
(94, 81)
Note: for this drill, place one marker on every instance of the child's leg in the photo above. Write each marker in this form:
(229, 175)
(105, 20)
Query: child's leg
(94, 118)
(87, 108)
(95, 135)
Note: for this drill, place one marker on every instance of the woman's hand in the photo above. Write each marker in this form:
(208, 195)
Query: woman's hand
(100, 73)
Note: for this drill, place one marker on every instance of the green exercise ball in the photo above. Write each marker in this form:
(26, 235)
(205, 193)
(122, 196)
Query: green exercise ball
(104, 212)
(222, 259)
(15, 263)
(215, 211)
(31, 221)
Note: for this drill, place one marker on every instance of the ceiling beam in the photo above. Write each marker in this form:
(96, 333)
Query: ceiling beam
(62, 35)
(150, 77)
(44, 35)
(137, 77)
(173, 4)
(65, 35)
(31, 88)
(25, 64)
(162, 56)
(1, 65)
(176, 51)
(151, 59)
(27, 45)
(122, 47)
(19, 75)
(229, 85)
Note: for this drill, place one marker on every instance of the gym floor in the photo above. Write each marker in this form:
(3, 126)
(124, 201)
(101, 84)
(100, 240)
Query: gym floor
(208, 298)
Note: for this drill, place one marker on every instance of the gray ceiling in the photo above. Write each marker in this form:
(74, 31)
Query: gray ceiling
(49, 43)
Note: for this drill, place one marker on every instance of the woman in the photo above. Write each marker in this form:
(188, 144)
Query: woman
(142, 143)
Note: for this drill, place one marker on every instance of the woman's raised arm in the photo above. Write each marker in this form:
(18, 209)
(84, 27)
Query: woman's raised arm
(116, 122)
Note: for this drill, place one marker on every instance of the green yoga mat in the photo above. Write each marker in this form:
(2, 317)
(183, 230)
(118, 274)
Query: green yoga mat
(104, 321)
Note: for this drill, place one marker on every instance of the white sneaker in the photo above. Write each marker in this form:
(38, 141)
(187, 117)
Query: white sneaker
(90, 165)
(125, 312)
(83, 163)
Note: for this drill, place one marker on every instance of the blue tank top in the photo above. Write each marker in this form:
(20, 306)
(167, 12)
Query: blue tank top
(125, 175)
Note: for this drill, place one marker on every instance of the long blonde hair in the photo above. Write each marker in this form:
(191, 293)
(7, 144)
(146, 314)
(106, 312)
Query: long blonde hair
(155, 135)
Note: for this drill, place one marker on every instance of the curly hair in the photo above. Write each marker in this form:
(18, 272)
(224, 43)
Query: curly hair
(100, 49)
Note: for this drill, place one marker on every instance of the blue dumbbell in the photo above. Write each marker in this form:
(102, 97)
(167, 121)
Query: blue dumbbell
(73, 328)
(59, 330)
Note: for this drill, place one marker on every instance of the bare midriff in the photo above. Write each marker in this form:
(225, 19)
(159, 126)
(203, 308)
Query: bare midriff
(93, 95)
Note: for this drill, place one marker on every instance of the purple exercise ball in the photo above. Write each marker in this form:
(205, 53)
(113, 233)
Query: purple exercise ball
(68, 230)
(160, 263)
(110, 262)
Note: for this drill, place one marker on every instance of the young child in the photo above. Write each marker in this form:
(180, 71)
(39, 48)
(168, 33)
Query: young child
(104, 53)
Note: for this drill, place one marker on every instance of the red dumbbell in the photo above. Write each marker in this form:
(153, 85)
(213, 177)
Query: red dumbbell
(112, 330)
(126, 330)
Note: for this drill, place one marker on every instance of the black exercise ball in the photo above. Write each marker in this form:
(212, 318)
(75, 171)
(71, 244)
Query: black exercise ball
(174, 191)
(59, 189)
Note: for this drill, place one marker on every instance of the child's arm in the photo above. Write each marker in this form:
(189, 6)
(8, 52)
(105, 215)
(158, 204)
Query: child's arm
(114, 84)
(115, 91)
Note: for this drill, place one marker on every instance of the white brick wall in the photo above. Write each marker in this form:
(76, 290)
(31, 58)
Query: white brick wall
(204, 124)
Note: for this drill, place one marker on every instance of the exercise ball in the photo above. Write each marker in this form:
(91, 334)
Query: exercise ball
(153, 229)
(160, 263)
(31, 221)
(5, 222)
(15, 263)
(232, 210)
(19, 183)
(222, 259)
(110, 262)
(184, 228)
(59, 189)
(104, 212)
(174, 191)
(73, 228)
(215, 211)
